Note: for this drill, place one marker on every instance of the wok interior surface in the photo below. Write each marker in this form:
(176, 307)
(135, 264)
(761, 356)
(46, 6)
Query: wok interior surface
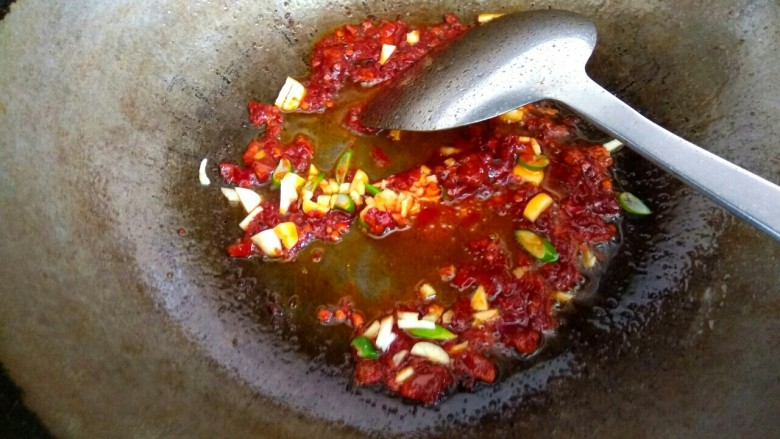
(121, 316)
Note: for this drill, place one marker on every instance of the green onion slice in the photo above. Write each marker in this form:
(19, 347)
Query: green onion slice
(311, 185)
(371, 189)
(538, 247)
(342, 166)
(631, 204)
(313, 182)
(344, 203)
(437, 333)
(283, 168)
(364, 348)
(537, 163)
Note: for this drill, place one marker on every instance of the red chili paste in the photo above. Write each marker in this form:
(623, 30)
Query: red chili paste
(474, 177)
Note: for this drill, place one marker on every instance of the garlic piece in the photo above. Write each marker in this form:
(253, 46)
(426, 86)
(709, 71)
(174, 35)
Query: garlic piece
(485, 17)
(231, 195)
(204, 179)
(432, 352)
(291, 95)
(387, 51)
(413, 37)
(249, 198)
(268, 242)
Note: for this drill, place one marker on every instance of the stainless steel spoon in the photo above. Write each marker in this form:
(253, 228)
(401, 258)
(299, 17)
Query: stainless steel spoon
(525, 57)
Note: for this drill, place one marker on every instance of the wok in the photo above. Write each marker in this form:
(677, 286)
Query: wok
(120, 316)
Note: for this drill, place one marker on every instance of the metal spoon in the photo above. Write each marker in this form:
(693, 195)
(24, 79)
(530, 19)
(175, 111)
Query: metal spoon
(525, 57)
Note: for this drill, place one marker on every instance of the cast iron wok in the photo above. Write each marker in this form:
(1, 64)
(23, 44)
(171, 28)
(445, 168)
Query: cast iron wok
(121, 317)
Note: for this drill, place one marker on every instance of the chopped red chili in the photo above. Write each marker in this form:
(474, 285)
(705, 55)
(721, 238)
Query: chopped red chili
(351, 53)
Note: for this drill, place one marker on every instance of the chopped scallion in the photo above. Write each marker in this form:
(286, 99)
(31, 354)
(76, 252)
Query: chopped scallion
(437, 333)
(283, 168)
(538, 247)
(343, 202)
(364, 348)
(536, 163)
(632, 204)
(342, 166)
(371, 189)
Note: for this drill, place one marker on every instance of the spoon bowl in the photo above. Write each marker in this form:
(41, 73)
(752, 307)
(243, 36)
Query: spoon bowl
(511, 61)
(525, 57)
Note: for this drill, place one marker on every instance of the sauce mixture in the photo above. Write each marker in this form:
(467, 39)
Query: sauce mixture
(514, 210)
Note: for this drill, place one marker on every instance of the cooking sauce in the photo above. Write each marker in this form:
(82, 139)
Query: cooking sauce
(460, 246)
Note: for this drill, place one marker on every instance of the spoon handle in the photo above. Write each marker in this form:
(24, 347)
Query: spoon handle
(743, 193)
